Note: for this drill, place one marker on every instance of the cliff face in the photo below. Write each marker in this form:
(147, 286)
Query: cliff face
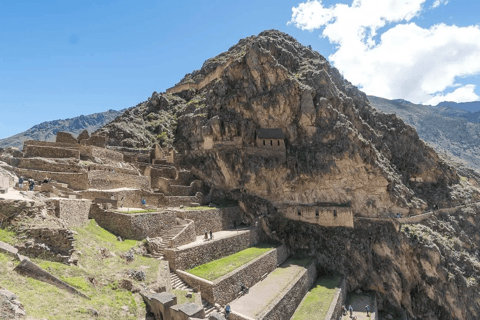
(338, 148)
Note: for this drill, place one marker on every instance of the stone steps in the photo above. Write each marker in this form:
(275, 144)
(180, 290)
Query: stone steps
(178, 283)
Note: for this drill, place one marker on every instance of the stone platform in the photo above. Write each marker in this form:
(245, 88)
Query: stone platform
(277, 296)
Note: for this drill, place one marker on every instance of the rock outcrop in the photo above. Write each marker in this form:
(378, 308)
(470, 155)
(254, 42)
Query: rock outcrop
(338, 148)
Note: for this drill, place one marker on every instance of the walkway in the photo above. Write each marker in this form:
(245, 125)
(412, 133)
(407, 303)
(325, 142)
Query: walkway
(358, 302)
(216, 236)
(265, 292)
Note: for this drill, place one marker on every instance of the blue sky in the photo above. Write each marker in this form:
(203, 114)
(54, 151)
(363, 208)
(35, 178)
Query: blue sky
(60, 59)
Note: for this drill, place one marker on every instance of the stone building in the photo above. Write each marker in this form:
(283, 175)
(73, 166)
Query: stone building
(270, 139)
(321, 213)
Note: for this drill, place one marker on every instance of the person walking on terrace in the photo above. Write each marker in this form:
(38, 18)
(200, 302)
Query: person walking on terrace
(367, 308)
(206, 235)
(350, 309)
(211, 235)
(31, 184)
(20, 182)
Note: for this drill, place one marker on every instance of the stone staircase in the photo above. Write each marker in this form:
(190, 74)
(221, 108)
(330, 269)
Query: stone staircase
(179, 284)
(166, 237)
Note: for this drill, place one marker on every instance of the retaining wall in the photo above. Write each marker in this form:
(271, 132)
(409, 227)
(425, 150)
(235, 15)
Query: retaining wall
(91, 152)
(187, 235)
(285, 305)
(128, 198)
(335, 310)
(50, 144)
(227, 288)
(191, 257)
(133, 226)
(50, 152)
(78, 181)
(49, 165)
(217, 219)
(73, 212)
(104, 180)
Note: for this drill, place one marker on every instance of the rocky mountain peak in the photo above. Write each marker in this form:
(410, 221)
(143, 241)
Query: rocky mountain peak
(337, 148)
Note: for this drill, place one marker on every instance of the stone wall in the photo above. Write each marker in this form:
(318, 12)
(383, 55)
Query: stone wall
(217, 219)
(104, 180)
(52, 243)
(191, 257)
(227, 288)
(174, 201)
(327, 216)
(65, 137)
(335, 310)
(95, 140)
(133, 226)
(50, 152)
(128, 198)
(96, 166)
(49, 165)
(90, 152)
(187, 235)
(50, 144)
(285, 305)
(78, 181)
(73, 212)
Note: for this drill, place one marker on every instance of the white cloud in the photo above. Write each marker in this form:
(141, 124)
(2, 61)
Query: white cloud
(408, 62)
(462, 94)
(439, 2)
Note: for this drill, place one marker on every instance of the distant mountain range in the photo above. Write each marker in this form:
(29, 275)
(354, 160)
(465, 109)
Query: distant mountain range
(47, 131)
(449, 127)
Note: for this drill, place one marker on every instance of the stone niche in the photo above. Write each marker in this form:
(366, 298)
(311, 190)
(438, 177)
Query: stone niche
(270, 139)
(323, 214)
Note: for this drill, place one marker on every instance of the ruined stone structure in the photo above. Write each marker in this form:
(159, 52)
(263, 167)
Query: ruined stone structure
(323, 214)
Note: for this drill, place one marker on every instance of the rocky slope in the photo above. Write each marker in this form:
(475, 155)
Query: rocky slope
(46, 131)
(339, 148)
(449, 130)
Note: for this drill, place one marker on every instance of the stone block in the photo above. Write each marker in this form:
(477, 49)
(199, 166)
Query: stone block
(216, 316)
(186, 311)
(160, 303)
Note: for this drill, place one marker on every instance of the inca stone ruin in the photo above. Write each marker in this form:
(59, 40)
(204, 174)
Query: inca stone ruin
(266, 147)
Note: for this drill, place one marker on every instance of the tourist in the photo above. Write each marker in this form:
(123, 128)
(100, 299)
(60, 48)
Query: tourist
(211, 235)
(350, 309)
(45, 180)
(31, 184)
(227, 310)
(344, 310)
(367, 307)
(20, 182)
(206, 234)
(144, 202)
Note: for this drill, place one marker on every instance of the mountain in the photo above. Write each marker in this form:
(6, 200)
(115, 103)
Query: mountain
(450, 131)
(46, 131)
(324, 143)
(473, 107)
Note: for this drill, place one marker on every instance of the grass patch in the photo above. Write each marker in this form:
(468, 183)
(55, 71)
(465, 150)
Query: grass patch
(316, 303)
(138, 211)
(7, 236)
(217, 268)
(96, 276)
(181, 298)
(198, 208)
